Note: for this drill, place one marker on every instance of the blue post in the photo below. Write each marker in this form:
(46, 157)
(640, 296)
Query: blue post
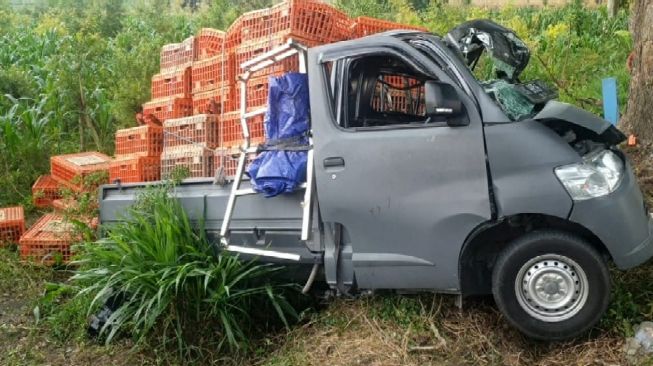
(610, 102)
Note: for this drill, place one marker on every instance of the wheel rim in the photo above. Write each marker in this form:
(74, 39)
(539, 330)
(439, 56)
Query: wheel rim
(551, 288)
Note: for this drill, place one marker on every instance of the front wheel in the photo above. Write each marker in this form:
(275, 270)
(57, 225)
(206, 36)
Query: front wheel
(551, 285)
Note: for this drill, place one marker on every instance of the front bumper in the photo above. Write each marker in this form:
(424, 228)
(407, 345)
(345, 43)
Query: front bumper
(620, 221)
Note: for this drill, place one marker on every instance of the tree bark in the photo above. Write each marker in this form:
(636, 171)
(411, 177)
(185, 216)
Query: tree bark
(613, 8)
(638, 118)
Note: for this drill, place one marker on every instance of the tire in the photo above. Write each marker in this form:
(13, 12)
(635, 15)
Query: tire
(551, 285)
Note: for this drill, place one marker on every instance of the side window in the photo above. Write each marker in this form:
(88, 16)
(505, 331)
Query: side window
(399, 94)
(382, 91)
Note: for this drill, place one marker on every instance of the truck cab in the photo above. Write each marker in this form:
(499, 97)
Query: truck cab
(426, 179)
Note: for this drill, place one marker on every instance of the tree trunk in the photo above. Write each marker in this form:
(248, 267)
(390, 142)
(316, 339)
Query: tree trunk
(613, 8)
(638, 118)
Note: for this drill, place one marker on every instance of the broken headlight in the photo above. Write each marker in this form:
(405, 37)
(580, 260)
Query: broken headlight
(598, 175)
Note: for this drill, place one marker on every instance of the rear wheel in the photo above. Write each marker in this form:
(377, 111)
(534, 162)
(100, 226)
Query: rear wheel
(551, 285)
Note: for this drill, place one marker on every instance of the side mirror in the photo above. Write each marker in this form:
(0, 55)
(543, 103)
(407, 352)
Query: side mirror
(441, 100)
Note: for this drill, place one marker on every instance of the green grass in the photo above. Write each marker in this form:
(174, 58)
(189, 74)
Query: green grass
(172, 283)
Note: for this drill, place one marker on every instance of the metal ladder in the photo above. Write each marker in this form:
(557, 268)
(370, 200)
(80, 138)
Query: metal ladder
(291, 48)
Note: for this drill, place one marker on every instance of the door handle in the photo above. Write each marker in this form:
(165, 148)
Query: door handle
(334, 162)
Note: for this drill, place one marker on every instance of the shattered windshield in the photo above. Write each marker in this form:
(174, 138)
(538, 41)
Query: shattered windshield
(482, 42)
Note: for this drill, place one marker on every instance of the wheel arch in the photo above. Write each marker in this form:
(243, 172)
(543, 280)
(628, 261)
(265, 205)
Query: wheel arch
(486, 241)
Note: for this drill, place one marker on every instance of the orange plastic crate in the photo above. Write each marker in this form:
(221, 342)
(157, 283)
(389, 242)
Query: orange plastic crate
(134, 169)
(396, 97)
(65, 204)
(257, 92)
(175, 83)
(234, 36)
(166, 108)
(72, 170)
(45, 190)
(196, 160)
(309, 20)
(227, 159)
(251, 49)
(212, 73)
(200, 129)
(178, 55)
(146, 140)
(232, 132)
(214, 101)
(12, 224)
(49, 240)
(365, 26)
(209, 42)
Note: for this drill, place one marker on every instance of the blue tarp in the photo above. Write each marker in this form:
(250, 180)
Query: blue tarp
(286, 126)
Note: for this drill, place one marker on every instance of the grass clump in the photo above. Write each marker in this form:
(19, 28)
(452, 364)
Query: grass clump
(173, 285)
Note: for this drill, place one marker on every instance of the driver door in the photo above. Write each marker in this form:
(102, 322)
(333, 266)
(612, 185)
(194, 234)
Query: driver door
(405, 189)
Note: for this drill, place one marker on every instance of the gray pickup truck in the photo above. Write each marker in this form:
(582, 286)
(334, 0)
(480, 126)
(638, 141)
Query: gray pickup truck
(443, 183)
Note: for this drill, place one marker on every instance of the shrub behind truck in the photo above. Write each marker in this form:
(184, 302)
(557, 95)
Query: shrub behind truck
(428, 179)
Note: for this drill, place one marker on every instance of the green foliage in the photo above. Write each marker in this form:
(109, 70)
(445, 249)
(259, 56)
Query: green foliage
(63, 312)
(173, 283)
(572, 47)
(632, 300)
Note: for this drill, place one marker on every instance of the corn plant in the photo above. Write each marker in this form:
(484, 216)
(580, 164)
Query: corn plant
(171, 281)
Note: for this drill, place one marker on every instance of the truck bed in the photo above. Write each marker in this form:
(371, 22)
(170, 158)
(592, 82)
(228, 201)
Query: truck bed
(257, 222)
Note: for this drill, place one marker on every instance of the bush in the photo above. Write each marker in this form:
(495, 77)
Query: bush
(171, 281)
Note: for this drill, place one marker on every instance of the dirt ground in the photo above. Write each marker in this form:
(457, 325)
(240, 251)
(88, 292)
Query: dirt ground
(384, 329)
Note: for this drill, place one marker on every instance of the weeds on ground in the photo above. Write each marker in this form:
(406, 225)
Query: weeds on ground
(63, 313)
(172, 285)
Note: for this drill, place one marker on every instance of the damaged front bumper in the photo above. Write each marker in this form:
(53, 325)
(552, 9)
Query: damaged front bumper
(621, 221)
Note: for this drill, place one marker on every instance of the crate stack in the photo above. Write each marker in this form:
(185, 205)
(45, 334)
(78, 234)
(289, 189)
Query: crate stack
(50, 239)
(138, 154)
(310, 23)
(189, 144)
(171, 86)
(189, 141)
(196, 96)
(45, 190)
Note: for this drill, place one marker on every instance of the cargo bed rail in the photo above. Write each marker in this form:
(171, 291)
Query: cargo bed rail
(290, 49)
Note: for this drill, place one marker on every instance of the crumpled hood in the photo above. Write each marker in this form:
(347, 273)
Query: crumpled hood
(554, 110)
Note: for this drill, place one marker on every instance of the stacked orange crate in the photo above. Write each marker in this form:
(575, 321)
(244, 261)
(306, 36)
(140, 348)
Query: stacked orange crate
(189, 142)
(212, 84)
(178, 55)
(213, 73)
(138, 152)
(310, 23)
(226, 159)
(209, 42)
(144, 140)
(81, 171)
(12, 224)
(135, 168)
(201, 129)
(45, 190)
(172, 84)
(166, 108)
(216, 62)
(307, 22)
(192, 160)
(231, 130)
(171, 88)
